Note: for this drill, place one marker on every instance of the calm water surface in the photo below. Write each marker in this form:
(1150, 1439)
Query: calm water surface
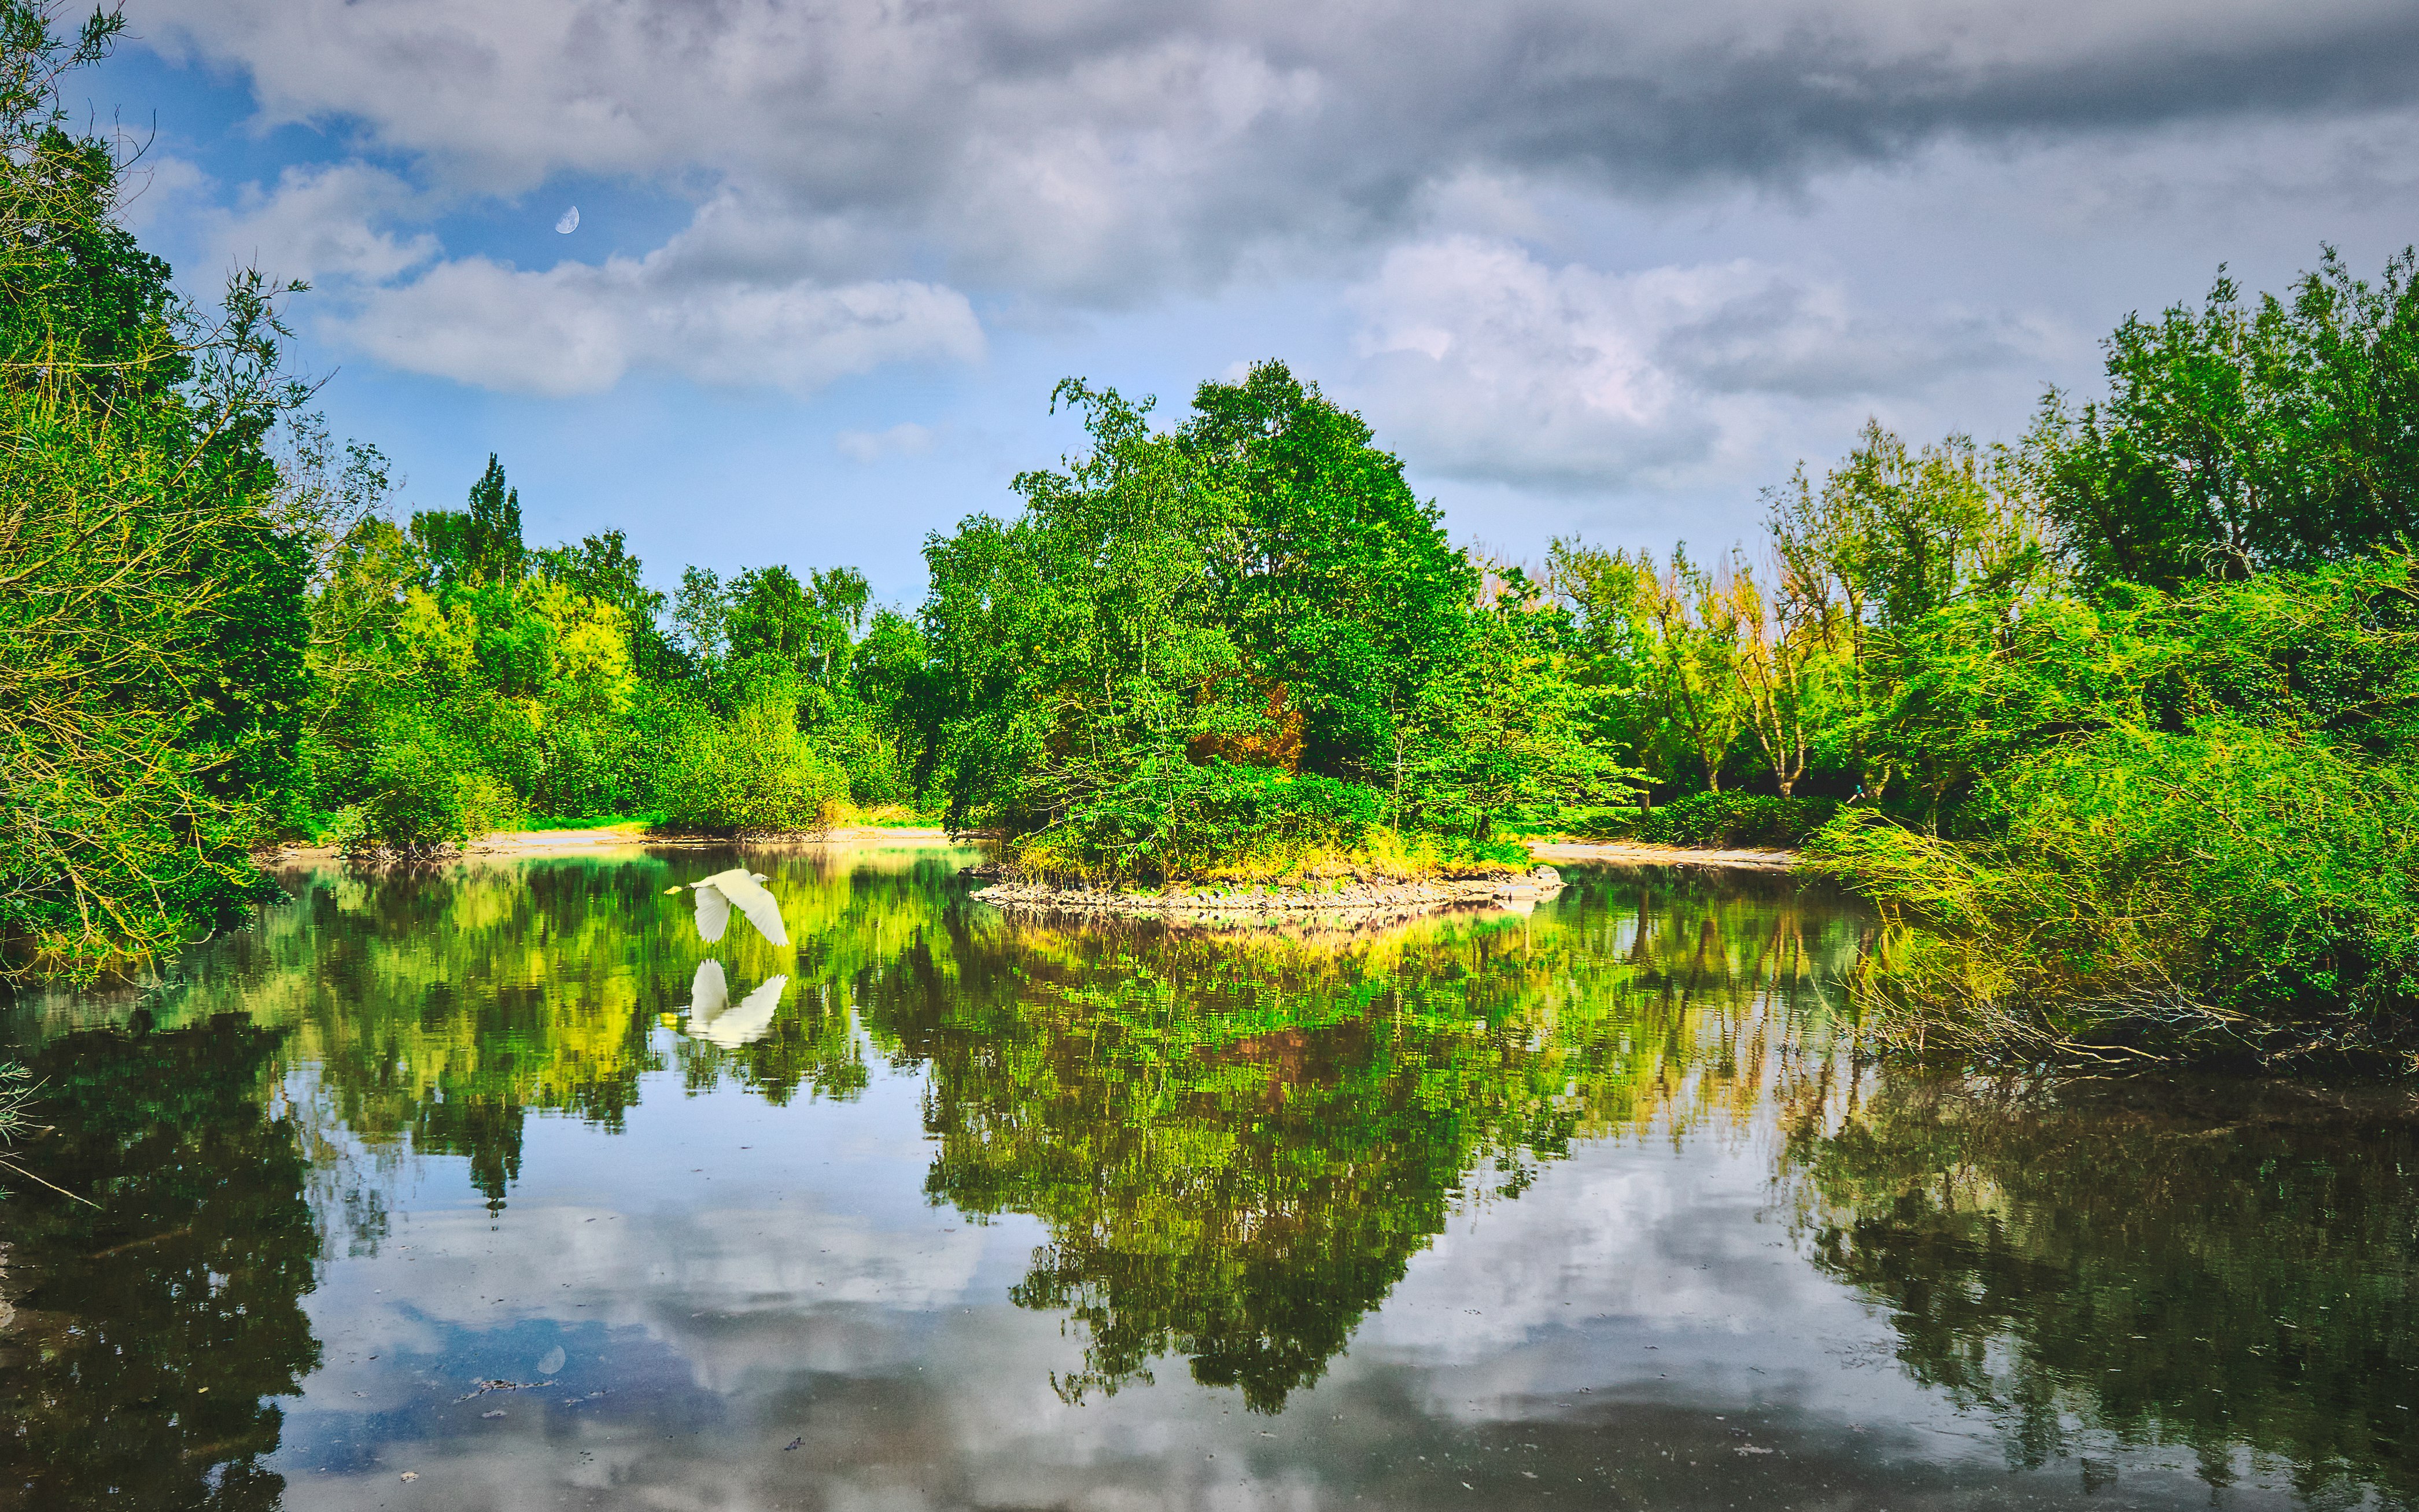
(470, 1175)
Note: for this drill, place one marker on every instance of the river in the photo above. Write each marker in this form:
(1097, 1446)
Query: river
(497, 1187)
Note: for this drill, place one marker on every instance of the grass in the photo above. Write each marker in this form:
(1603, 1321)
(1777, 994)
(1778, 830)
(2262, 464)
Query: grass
(536, 824)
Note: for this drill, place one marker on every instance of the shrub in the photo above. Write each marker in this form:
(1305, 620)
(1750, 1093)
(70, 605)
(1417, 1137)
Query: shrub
(1177, 819)
(1174, 818)
(753, 773)
(1717, 819)
(2230, 887)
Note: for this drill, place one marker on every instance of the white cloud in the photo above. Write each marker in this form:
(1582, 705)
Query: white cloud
(320, 222)
(708, 304)
(906, 438)
(1493, 364)
(1544, 202)
(577, 328)
(156, 187)
(1106, 149)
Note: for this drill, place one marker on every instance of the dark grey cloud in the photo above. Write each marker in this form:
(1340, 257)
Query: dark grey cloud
(1104, 150)
(1579, 253)
(1576, 99)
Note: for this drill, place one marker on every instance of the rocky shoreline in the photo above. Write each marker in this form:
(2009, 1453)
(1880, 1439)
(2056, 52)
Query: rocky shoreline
(1359, 900)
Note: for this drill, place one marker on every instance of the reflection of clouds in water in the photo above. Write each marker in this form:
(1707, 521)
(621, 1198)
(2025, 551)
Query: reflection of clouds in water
(889, 1351)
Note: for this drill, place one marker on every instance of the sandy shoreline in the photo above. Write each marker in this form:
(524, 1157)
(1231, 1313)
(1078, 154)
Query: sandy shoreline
(1630, 853)
(635, 837)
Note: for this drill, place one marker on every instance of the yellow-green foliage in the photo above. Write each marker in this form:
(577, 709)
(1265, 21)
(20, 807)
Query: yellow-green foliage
(755, 773)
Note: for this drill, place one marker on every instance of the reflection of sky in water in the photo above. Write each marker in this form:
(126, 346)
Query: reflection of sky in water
(734, 1276)
(730, 1271)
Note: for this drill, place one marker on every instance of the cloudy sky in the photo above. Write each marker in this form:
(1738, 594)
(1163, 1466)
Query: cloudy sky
(1603, 267)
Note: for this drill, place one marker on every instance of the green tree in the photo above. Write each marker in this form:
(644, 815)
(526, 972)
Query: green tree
(2240, 436)
(479, 545)
(152, 562)
(1220, 639)
(1339, 582)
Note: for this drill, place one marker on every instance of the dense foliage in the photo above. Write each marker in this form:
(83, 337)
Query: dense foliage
(152, 564)
(1239, 644)
(2122, 717)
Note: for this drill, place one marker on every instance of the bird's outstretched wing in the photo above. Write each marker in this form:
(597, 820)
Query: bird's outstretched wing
(748, 895)
(748, 1018)
(713, 909)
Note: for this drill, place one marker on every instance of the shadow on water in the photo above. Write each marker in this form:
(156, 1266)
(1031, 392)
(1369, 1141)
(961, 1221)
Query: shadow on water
(153, 1333)
(1234, 1151)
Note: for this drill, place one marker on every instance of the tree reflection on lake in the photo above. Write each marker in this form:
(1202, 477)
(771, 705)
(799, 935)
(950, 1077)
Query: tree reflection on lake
(1237, 1143)
(2222, 1266)
(155, 1331)
(1223, 1161)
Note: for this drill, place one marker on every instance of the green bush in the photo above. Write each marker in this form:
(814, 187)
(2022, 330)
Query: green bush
(415, 806)
(1176, 818)
(2231, 888)
(1717, 819)
(752, 773)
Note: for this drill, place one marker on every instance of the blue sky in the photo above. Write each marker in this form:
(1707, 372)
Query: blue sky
(1604, 268)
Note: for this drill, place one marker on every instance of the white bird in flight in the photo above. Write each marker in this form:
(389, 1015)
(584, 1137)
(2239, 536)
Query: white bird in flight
(718, 893)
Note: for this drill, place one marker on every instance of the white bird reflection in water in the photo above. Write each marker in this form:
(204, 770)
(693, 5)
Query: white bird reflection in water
(713, 1018)
(717, 894)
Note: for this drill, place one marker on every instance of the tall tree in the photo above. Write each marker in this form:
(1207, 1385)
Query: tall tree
(479, 545)
(2243, 436)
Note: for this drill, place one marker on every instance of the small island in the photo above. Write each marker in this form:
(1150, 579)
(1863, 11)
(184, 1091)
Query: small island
(1357, 899)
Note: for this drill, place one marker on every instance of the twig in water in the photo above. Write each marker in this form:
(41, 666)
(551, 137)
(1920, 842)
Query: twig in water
(12, 1166)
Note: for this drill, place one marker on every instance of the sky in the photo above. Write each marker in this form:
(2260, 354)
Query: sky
(1603, 267)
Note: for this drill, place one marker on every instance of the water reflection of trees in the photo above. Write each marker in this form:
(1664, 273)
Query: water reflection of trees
(153, 1333)
(1237, 1145)
(441, 1010)
(2217, 1266)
